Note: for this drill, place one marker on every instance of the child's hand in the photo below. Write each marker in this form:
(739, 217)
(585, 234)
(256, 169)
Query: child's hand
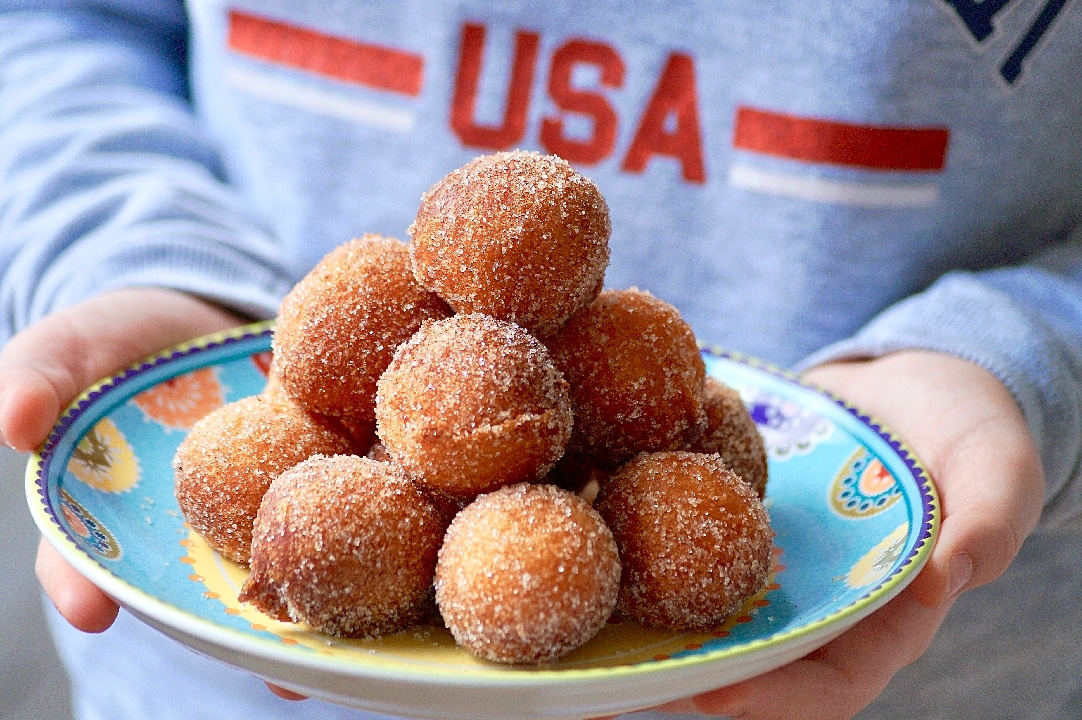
(46, 366)
(969, 432)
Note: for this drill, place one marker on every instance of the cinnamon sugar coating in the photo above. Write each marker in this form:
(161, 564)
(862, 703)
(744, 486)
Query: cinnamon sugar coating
(339, 326)
(636, 377)
(731, 433)
(439, 417)
(227, 461)
(517, 235)
(471, 403)
(362, 433)
(695, 540)
(526, 574)
(346, 544)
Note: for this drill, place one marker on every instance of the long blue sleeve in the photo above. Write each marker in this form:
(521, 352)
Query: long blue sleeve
(106, 180)
(1024, 324)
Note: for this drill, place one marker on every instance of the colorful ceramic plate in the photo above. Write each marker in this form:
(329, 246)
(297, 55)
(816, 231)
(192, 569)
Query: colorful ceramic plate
(854, 512)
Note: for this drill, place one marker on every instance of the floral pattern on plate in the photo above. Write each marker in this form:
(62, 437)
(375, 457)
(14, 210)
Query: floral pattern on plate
(833, 566)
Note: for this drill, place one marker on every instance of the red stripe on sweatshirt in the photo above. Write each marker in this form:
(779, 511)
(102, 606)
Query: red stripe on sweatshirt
(367, 64)
(840, 143)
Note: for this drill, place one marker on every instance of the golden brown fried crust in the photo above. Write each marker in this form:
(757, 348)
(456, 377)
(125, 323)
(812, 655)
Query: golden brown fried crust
(732, 433)
(517, 235)
(471, 403)
(406, 462)
(361, 432)
(526, 574)
(695, 540)
(346, 544)
(339, 326)
(636, 377)
(229, 459)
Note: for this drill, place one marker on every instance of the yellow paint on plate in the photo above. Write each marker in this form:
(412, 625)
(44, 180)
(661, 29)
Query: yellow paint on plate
(877, 562)
(104, 460)
(620, 642)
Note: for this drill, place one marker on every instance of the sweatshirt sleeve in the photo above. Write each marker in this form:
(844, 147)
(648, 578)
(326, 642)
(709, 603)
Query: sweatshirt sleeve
(106, 179)
(1024, 324)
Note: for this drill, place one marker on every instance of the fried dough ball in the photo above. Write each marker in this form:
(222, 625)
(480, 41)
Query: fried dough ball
(731, 433)
(516, 235)
(361, 432)
(346, 544)
(526, 574)
(471, 403)
(339, 326)
(223, 467)
(636, 377)
(695, 540)
(449, 504)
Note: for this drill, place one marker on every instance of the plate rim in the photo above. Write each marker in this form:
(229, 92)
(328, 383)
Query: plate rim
(142, 603)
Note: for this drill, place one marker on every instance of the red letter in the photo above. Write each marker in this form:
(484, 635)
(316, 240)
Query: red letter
(518, 92)
(593, 104)
(675, 98)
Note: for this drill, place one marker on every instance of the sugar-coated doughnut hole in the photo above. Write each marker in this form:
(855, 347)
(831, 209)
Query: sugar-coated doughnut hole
(526, 574)
(516, 235)
(449, 504)
(490, 381)
(731, 432)
(695, 540)
(225, 464)
(347, 545)
(362, 433)
(636, 377)
(339, 326)
(471, 403)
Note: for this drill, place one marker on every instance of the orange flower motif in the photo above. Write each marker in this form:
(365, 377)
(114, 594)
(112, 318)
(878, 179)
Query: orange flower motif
(262, 361)
(180, 402)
